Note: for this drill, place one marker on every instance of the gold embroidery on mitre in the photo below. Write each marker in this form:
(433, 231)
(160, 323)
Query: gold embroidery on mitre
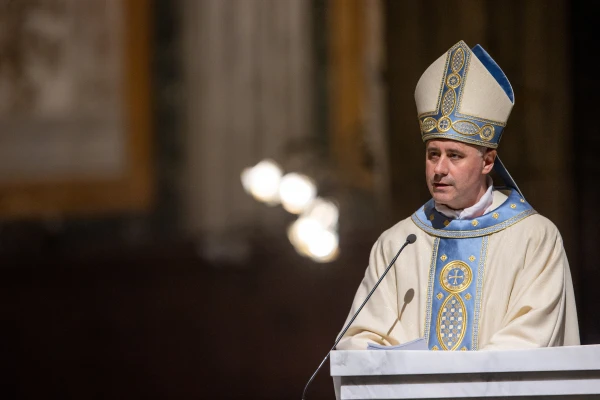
(444, 124)
(463, 348)
(468, 296)
(474, 223)
(495, 215)
(472, 258)
(431, 217)
(428, 124)
(446, 223)
(453, 80)
(522, 200)
(465, 127)
(513, 206)
(435, 348)
(487, 132)
(458, 60)
(439, 296)
(448, 102)
(444, 257)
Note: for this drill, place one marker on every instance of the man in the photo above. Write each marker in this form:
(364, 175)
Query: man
(486, 271)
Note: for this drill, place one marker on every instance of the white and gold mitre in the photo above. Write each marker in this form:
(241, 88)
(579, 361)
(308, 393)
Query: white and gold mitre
(464, 96)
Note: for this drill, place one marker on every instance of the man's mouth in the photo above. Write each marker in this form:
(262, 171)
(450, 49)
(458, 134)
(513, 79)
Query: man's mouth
(440, 185)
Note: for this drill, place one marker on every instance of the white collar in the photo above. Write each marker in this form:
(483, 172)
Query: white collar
(481, 207)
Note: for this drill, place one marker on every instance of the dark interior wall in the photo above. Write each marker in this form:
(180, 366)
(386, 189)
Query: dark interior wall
(157, 322)
(586, 138)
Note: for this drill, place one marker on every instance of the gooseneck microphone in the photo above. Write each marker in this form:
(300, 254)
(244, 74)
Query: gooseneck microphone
(409, 240)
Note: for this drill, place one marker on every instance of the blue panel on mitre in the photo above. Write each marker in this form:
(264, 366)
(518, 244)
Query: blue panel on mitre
(494, 69)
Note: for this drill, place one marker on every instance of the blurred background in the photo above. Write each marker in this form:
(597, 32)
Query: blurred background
(150, 249)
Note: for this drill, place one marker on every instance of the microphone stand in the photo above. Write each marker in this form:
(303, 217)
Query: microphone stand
(409, 240)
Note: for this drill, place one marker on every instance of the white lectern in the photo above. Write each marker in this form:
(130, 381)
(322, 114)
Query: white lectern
(560, 372)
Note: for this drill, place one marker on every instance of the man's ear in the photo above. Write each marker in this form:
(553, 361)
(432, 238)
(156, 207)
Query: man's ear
(488, 160)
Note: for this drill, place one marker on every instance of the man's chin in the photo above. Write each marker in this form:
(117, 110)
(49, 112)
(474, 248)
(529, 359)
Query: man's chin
(442, 198)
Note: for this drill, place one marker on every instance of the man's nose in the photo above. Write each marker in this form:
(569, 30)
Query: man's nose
(441, 167)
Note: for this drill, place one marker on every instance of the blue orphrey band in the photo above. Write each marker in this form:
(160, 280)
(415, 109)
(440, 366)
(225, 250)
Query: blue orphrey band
(454, 293)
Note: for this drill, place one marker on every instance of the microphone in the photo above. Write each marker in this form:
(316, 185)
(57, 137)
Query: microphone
(410, 239)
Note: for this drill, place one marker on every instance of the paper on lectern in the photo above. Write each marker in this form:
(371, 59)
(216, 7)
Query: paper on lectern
(417, 344)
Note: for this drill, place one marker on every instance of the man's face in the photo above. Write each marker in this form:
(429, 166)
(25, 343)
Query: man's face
(456, 172)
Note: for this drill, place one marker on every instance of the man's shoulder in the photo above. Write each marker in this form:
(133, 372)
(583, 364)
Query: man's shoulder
(537, 225)
(539, 222)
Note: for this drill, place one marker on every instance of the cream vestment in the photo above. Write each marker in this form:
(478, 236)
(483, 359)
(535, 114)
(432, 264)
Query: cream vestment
(510, 288)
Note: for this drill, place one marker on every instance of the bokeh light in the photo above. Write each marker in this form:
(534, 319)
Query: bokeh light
(262, 181)
(296, 192)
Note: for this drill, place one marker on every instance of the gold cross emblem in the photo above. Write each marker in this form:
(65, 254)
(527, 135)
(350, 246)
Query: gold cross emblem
(455, 277)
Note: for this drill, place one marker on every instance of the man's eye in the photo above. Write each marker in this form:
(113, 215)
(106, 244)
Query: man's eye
(455, 156)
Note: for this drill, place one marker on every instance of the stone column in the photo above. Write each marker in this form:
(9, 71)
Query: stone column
(249, 93)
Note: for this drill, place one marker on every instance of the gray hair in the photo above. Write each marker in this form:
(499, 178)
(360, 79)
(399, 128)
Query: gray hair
(482, 149)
